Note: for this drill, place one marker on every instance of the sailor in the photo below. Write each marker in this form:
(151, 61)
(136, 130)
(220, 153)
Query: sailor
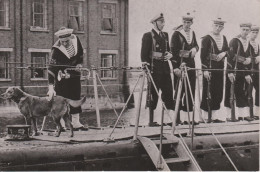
(155, 53)
(67, 51)
(239, 58)
(253, 35)
(214, 48)
(184, 38)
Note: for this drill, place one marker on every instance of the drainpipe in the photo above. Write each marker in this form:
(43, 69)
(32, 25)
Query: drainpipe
(21, 41)
(15, 44)
(126, 87)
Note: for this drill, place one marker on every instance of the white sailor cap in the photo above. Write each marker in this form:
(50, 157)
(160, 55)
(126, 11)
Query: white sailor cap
(219, 21)
(187, 17)
(157, 17)
(245, 24)
(255, 28)
(64, 33)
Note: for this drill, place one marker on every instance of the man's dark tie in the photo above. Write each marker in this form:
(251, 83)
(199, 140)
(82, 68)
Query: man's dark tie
(161, 34)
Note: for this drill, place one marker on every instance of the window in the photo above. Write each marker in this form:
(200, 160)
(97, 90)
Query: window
(109, 20)
(39, 60)
(4, 13)
(108, 60)
(39, 14)
(76, 15)
(4, 70)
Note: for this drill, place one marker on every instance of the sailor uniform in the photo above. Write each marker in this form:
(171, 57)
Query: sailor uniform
(243, 49)
(182, 40)
(153, 48)
(60, 58)
(255, 77)
(213, 44)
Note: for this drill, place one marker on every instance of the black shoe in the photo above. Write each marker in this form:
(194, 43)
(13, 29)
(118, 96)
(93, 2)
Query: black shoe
(185, 123)
(230, 120)
(195, 123)
(81, 129)
(240, 118)
(209, 121)
(218, 121)
(168, 124)
(256, 117)
(248, 118)
(153, 124)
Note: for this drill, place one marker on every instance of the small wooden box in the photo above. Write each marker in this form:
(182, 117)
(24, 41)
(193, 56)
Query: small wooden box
(18, 132)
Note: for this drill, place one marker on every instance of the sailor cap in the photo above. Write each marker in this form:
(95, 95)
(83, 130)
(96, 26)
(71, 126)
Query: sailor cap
(219, 21)
(157, 17)
(245, 25)
(64, 33)
(255, 28)
(187, 17)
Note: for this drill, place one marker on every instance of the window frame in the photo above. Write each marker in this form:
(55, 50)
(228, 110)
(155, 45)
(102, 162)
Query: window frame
(45, 17)
(114, 18)
(114, 54)
(82, 14)
(7, 15)
(7, 70)
(47, 55)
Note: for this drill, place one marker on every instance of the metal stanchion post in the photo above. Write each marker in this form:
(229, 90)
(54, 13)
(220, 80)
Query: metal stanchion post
(96, 97)
(139, 106)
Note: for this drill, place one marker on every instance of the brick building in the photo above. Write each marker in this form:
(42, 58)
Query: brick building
(27, 30)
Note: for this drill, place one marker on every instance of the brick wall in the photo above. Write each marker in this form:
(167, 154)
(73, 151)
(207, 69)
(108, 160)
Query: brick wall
(21, 38)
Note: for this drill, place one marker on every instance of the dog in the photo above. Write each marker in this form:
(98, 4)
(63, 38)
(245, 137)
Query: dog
(33, 106)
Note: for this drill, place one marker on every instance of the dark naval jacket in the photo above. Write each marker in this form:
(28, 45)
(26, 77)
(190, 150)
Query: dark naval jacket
(59, 60)
(236, 48)
(178, 42)
(209, 46)
(161, 45)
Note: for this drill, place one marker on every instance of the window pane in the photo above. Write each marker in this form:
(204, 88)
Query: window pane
(38, 20)
(107, 11)
(2, 5)
(38, 60)
(3, 65)
(107, 60)
(38, 8)
(2, 18)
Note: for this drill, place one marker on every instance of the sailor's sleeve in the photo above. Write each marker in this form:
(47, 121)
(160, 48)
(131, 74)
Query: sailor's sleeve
(195, 42)
(146, 48)
(80, 52)
(52, 69)
(231, 54)
(204, 53)
(175, 49)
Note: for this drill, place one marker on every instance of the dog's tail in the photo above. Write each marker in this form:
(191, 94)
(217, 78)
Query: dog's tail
(76, 103)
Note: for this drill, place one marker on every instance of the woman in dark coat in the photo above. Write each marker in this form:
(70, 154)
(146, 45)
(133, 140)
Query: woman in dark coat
(67, 52)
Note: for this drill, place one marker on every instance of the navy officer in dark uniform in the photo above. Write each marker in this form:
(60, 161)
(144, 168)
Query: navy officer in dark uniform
(66, 52)
(240, 52)
(214, 48)
(184, 38)
(255, 45)
(155, 53)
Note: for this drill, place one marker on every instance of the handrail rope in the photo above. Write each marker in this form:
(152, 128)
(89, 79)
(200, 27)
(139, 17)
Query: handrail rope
(133, 69)
(129, 97)
(213, 134)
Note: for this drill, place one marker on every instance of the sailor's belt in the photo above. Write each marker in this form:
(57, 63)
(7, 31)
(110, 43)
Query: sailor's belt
(240, 59)
(213, 57)
(184, 54)
(157, 55)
